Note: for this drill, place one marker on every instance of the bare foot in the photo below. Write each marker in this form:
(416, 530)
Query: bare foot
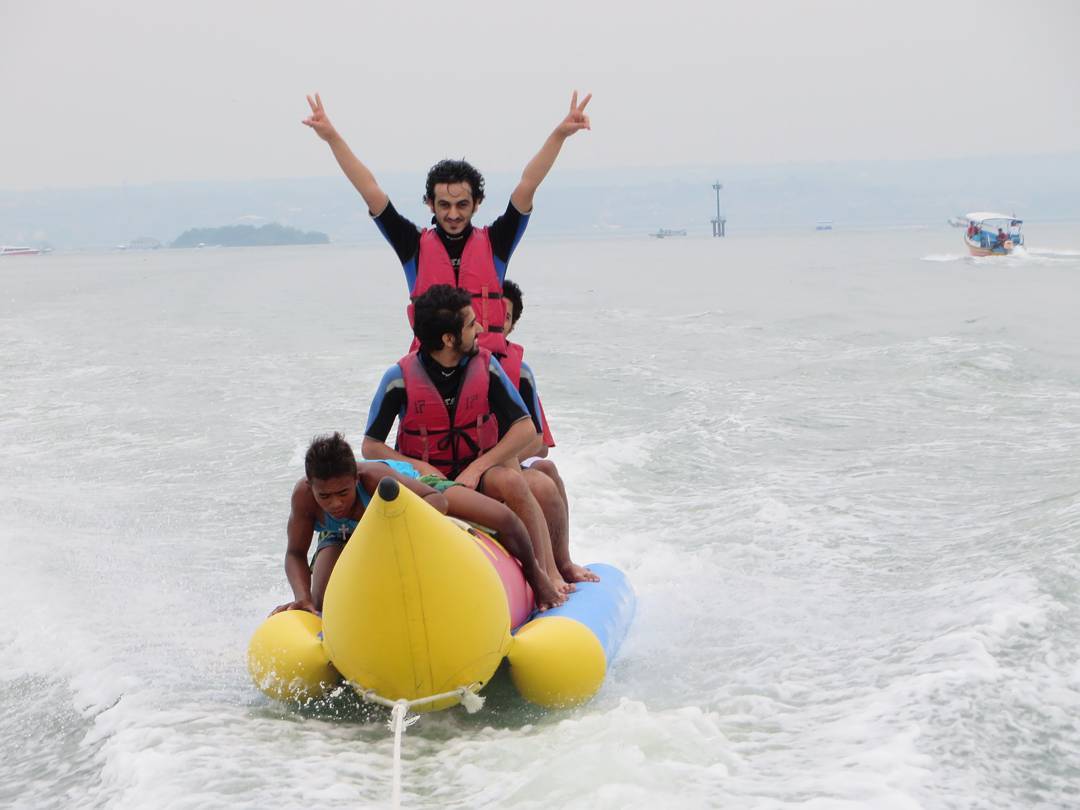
(547, 595)
(572, 572)
(561, 585)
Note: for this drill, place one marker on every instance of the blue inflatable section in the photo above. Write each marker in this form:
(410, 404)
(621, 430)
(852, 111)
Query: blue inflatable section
(605, 607)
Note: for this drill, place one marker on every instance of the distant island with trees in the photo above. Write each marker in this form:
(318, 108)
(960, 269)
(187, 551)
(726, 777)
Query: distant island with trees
(249, 236)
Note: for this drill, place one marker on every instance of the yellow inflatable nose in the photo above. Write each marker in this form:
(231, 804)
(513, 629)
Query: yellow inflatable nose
(414, 608)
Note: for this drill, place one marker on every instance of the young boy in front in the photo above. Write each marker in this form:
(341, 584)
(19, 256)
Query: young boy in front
(330, 500)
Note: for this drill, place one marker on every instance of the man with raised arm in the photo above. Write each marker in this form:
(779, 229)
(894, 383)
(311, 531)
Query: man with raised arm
(454, 252)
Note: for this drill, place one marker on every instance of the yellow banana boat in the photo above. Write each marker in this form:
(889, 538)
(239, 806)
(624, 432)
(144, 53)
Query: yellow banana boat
(422, 608)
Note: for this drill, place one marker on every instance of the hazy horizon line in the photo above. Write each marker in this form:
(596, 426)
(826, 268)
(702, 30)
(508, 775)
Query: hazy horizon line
(558, 174)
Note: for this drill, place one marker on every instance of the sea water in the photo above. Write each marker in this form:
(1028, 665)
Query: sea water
(839, 468)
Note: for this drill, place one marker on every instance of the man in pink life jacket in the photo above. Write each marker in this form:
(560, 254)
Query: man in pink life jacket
(462, 425)
(453, 251)
(540, 473)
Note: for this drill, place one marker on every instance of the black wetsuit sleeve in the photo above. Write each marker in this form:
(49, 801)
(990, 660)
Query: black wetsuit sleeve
(401, 233)
(507, 411)
(527, 394)
(387, 410)
(505, 232)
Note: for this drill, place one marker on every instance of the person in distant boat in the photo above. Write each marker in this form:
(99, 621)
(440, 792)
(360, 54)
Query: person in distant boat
(972, 230)
(329, 501)
(455, 252)
(460, 421)
(540, 472)
(1002, 238)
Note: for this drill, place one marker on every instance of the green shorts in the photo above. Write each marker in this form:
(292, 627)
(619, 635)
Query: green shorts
(437, 482)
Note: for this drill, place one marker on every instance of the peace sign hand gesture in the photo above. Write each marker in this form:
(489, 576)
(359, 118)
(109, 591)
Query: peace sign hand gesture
(576, 119)
(318, 120)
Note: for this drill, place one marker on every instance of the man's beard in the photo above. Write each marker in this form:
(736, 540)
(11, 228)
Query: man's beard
(451, 236)
(472, 351)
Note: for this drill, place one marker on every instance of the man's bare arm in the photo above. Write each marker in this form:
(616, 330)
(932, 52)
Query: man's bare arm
(359, 174)
(538, 168)
(517, 438)
(534, 448)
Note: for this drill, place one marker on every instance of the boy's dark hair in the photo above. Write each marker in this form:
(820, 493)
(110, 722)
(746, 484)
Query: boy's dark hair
(512, 291)
(438, 312)
(454, 171)
(329, 457)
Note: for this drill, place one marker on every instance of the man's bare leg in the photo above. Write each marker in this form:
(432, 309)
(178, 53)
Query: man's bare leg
(468, 504)
(548, 468)
(509, 486)
(547, 494)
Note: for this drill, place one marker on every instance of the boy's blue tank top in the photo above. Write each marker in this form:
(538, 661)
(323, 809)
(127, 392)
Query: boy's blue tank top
(329, 527)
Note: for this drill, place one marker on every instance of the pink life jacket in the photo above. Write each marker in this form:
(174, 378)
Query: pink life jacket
(476, 274)
(511, 363)
(428, 431)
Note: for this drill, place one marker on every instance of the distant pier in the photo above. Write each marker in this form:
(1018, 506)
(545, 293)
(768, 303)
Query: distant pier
(719, 224)
(664, 233)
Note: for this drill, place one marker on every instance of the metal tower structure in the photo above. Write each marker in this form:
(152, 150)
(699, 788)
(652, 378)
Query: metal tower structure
(719, 225)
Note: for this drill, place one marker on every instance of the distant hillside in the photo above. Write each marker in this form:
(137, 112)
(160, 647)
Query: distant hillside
(249, 236)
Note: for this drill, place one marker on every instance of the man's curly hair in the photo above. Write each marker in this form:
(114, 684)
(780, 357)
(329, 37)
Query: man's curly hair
(454, 171)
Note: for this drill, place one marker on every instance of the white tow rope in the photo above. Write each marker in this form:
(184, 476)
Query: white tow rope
(400, 720)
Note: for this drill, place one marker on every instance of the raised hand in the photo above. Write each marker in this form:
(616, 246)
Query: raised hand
(576, 119)
(319, 121)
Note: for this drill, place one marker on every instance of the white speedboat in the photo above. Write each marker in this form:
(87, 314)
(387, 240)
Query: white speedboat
(11, 250)
(990, 234)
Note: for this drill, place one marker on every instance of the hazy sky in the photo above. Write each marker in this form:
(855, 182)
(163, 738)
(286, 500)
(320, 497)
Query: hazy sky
(119, 91)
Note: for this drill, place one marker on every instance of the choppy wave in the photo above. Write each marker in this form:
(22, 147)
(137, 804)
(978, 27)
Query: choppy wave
(847, 499)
